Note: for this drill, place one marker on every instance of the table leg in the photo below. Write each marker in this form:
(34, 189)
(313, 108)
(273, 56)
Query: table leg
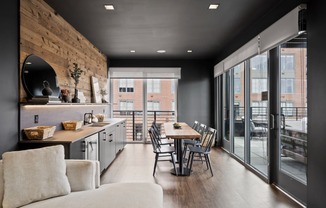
(181, 171)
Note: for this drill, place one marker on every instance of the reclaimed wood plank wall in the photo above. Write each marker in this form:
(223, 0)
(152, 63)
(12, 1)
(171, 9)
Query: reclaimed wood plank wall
(46, 34)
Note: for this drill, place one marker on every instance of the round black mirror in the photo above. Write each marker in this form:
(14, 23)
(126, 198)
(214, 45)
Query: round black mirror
(39, 78)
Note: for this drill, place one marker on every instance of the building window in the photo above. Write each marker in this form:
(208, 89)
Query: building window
(258, 109)
(237, 85)
(287, 85)
(153, 86)
(287, 62)
(287, 108)
(259, 63)
(153, 105)
(126, 106)
(259, 85)
(126, 85)
(138, 132)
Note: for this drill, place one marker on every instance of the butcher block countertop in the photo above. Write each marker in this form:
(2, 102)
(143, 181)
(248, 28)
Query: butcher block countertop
(70, 136)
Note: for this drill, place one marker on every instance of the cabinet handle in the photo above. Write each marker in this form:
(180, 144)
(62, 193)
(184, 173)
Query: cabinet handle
(104, 133)
(110, 140)
(110, 135)
(83, 146)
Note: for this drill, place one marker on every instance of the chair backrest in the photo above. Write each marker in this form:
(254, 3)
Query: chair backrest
(154, 139)
(208, 139)
(202, 128)
(196, 125)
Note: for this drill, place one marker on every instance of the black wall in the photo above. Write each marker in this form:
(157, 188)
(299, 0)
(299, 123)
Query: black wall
(195, 88)
(316, 104)
(9, 59)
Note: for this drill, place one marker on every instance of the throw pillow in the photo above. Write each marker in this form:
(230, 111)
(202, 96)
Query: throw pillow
(33, 175)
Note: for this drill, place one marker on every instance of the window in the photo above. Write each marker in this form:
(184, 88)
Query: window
(153, 105)
(153, 86)
(258, 109)
(125, 106)
(287, 108)
(287, 62)
(259, 63)
(237, 85)
(126, 85)
(259, 85)
(287, 85)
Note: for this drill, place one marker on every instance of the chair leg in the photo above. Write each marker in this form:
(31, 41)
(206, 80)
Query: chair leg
(184, 151)
(209, 163)
(191, 160)
(156, 158)
(173, 162)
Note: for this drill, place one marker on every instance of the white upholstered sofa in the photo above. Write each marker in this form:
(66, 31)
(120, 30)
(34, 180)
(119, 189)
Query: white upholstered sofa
(42, 178)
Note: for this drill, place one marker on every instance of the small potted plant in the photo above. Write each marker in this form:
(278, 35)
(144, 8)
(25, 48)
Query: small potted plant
(76, 74)
(103, 93)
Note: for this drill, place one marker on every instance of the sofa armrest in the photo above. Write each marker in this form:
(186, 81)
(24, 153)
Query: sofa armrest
(83, 174)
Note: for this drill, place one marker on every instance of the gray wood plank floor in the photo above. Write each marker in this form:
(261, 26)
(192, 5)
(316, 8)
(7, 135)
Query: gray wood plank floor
(232, 185)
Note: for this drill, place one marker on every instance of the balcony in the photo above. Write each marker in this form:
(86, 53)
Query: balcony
(135, 121)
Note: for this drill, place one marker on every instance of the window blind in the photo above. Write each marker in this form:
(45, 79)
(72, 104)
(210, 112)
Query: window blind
(286, 28)
(145, 73)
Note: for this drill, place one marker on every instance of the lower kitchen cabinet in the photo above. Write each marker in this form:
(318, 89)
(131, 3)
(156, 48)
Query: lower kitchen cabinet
(107, 147)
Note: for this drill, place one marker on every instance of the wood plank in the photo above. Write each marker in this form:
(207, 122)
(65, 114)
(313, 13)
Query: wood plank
(232, 185)
(47, 35)
(185, 132)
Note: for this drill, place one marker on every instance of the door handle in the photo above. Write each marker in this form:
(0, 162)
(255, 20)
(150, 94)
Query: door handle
(272, 122)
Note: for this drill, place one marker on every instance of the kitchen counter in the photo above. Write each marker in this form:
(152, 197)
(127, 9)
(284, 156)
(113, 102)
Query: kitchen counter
(70, 136)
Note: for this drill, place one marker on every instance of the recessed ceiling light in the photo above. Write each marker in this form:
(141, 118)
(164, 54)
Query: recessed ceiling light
(189, 51)
(109, 7)
(132, 51)
(213, 6)
(161, 51)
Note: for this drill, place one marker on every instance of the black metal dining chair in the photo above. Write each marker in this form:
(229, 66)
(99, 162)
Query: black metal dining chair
(161, 138)
(200, 128)
(161, 151)
(203, 149)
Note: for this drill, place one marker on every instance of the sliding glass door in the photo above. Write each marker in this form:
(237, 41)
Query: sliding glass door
(142, 101)
(258, 114)
(292, 120)
(238, 100)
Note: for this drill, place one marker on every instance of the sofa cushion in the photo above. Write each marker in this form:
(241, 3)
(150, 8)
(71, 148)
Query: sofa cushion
(120, 195)
(34, 175)
(81, 174)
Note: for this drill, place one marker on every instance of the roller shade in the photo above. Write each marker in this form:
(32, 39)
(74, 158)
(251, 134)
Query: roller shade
(145, 73)
(286, 28)
(218, 69)
(247, 51)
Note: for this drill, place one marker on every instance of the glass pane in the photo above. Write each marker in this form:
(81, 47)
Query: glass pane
(293, 108)
(258, 121)
(226, 106)
(128, 104)
(161, 101)
(238, 110)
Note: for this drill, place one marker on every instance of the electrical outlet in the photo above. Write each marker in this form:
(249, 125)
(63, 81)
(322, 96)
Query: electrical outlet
(36, 119)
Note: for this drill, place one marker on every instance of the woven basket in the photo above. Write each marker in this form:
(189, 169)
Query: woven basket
(72, 125)
(39, 132)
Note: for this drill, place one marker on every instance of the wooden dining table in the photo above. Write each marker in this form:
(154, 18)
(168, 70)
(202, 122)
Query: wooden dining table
(185, 132)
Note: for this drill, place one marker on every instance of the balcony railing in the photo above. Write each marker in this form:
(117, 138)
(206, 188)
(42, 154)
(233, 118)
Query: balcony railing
(260, 113)
(135, 123)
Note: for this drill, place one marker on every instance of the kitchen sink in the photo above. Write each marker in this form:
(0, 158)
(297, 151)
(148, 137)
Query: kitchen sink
(100, 124)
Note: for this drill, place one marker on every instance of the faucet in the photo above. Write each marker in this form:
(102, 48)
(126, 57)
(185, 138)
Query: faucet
(88, 118)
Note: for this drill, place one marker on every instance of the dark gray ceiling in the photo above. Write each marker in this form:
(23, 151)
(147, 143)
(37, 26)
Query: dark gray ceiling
(173, 25)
